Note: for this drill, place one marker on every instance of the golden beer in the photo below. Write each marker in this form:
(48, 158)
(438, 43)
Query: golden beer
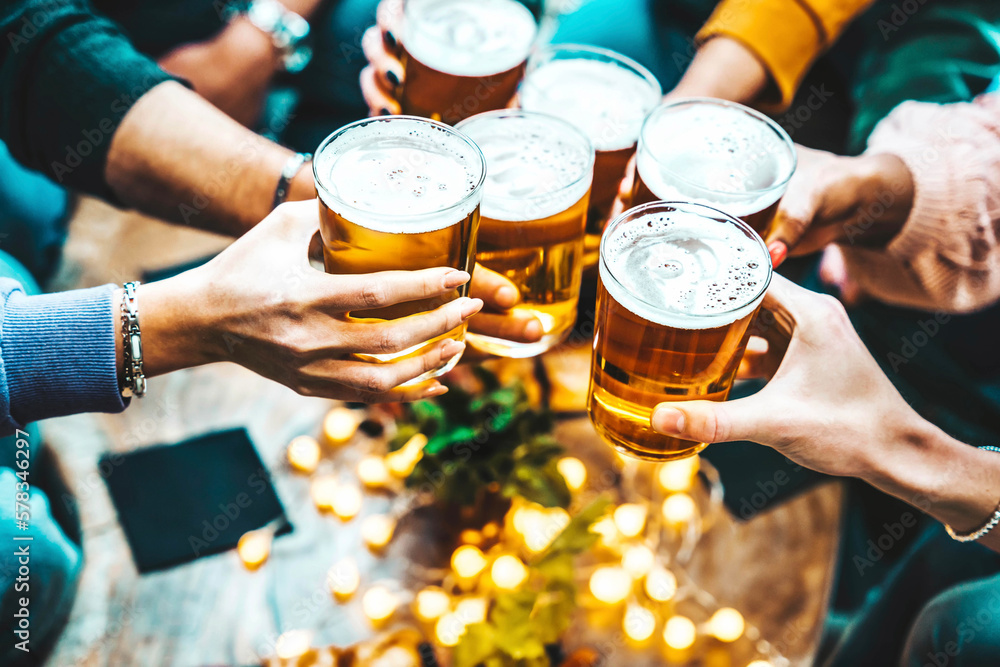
(716, 153)
(539, 170)
(604, 94)
(399, 193)
(680, 285)
(463, 57)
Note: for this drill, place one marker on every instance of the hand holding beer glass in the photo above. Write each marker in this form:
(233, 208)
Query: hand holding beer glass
(680, 286)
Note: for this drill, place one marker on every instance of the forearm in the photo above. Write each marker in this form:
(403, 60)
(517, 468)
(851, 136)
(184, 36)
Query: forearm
(723, 68)
(178, 157)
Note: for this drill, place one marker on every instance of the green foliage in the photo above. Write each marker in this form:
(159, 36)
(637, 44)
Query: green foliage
(491, 437)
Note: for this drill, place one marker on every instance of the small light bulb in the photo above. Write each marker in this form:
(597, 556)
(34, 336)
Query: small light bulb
(607, 529)
(431, 604)
(541, 527)
(679, 633)
(630, 519)
(760, 663)
(293, 644)
(343, 579)
(573, 471)
(661, 584)
(339, 425)
(377, 530)
(373, 472)
(508, 572)
(472, 610)
(468, 561)
(638, 623)
(678, 475)
(678, 508)
(347, 502)
(610, 584)
(303, 453)
(402, 461)
(638, 560)
(379, 603)
(449, 630)
(726, 624)
(254, 548)
(323, 489)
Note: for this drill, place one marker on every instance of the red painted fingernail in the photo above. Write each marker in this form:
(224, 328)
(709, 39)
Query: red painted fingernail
(778, 252)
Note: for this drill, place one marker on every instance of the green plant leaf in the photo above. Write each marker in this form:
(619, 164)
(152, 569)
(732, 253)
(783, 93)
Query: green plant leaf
(576, 537)
(449, 437)
(516, 635)
(476, 645)
(545, 486)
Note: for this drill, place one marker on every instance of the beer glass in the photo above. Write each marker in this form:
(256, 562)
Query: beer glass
(604, 94)
(679, 287)
(399, 193)
(539, 170)
(462, 57)
(716, 153)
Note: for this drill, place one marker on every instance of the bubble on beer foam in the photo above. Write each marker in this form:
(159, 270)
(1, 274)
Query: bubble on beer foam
(394, 176)
(607, 102)
(535, 167)
(714, 155)
(682, 270)
(464, 38)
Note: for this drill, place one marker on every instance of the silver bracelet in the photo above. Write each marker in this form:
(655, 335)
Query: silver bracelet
(135, 379)
(292, 167)
(990, 524)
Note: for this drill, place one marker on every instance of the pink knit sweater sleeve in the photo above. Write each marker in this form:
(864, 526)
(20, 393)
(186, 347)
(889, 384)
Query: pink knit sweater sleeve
(947, 255)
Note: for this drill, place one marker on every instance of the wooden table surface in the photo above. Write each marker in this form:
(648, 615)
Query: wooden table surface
(776, 568)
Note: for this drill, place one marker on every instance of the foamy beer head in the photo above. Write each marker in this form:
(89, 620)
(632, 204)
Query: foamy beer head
(604, 94)
(680, 284)
(539, 170)
(717, 153)
(399, 192)
(462, 57)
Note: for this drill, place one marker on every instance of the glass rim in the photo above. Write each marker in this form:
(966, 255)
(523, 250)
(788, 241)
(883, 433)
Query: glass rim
(702, 211)
(551, 50)
(711, 101)
(588, 173)
(325, 193)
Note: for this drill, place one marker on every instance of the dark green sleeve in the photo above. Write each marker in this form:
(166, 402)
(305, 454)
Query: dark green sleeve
(67, 78)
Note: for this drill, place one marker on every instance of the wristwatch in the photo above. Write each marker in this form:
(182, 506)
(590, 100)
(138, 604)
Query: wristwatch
(287, 29)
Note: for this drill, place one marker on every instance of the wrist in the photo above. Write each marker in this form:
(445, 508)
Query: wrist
(177, 323)
(723, 68)
(887, 188)
(302, 185)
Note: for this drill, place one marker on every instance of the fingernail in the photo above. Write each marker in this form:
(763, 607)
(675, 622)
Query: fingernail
(533, 331)
(454, 278)
(392, 77)
(667, 420)
(390, 40)
(506, 296)
(778, 252)
(436, 390)
(470, 306)
(450, 348)
(384, 112)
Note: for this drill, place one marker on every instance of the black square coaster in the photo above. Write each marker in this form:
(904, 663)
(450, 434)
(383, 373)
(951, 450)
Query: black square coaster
(179, 502)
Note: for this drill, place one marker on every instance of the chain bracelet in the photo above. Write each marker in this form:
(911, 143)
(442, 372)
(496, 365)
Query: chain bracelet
(135, 379)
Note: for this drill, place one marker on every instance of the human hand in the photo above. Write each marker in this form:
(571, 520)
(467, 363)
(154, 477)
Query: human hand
(828, 406)
(862, 200)
(260, 304)
(500, 295)
(383, 75)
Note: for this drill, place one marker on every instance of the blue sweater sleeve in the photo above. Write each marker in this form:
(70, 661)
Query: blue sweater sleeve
(57, 354)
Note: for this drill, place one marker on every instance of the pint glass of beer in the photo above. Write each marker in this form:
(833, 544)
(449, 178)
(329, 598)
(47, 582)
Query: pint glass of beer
(680, 285)
(539, 170)
(462, 57)
(716, 153)
(604, 94)
(399, 193)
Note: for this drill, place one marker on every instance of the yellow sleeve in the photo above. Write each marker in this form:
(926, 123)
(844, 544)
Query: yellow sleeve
(787, 35)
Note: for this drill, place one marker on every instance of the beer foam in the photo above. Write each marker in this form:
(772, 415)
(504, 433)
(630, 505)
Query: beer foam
(607, 102)
(469, 37)
(713, 154)
(678, 269)
(399, 175)
(536, 165)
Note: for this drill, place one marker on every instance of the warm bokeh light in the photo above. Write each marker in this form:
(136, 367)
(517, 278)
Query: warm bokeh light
(379, 603)
(373, 472)
(449, 630)
(254, 548)
(539, 527)
(292, 644)
(610, 584)
(339, 425)
(726, 624)
(630, 519)
(347, 502)
(472, 610)
(608, 531)
(303, 453)
(471, 536)
(343, 579)
(638, 559)
(760, 663)
(638, 623)
(468, 561)
(678, 508)
(573, 471)
(678, 475)
(402, 461)
(679, 633)
(323, 489)
(660, 584)
(431, 604)
(508, 572)
(377, 530)
(491, 530)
